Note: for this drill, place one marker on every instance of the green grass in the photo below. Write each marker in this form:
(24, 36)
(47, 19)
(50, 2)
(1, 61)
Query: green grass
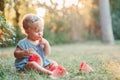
(104, 59)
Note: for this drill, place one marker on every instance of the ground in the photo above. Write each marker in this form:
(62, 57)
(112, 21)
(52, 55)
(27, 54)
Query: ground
(103, 58)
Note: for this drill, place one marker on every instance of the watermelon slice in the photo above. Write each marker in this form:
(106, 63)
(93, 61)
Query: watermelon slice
(58, 71)
(35, 58)
(85, 67)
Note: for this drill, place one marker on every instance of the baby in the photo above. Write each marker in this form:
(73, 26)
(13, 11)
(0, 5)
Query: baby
(31, 52)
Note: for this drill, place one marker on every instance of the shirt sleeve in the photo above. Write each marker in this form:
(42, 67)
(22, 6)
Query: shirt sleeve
(21, 44)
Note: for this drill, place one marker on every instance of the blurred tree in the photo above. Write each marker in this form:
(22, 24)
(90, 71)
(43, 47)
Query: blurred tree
(18, 8)
(75, 17)
(105, 22)
(1, 7)
(56, 23)
(63, 23)
(115, 10)
(9, 24)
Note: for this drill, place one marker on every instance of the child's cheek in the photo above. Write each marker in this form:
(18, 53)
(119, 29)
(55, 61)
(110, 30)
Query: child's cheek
(36, 34)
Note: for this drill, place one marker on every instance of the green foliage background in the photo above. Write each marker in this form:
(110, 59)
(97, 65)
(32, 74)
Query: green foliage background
(69, 24)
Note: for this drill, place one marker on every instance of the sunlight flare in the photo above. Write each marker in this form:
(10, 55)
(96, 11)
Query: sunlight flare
(41, 12)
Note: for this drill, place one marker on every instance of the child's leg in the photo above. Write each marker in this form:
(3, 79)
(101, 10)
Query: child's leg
(35, 66)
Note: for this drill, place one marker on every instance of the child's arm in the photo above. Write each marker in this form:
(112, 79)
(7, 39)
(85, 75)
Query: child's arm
(19, 53)
(47, 48)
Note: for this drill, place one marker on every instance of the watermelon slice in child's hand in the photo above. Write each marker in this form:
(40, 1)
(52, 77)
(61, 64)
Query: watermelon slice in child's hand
(35, 58)
(85, 67)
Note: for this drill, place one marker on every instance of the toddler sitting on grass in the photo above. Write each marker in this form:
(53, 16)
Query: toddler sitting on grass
(31, 52)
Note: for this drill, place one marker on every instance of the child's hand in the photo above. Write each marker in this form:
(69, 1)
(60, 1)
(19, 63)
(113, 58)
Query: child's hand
(43, 41)
(30, 51)
(45, 45)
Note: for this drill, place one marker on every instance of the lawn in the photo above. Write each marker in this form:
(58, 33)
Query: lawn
(104, 59)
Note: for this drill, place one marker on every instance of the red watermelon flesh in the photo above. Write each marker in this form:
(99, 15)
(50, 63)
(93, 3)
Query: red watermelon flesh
(35, 58)
(85, 67)
(58, 71)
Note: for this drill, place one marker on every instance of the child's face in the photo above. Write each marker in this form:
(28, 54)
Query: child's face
(35, 32)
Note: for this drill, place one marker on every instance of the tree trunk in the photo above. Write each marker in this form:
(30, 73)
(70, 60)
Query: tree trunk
(105, 22)
(1, 7)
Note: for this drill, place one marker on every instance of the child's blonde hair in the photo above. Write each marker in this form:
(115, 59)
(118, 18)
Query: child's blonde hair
(28, 19)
